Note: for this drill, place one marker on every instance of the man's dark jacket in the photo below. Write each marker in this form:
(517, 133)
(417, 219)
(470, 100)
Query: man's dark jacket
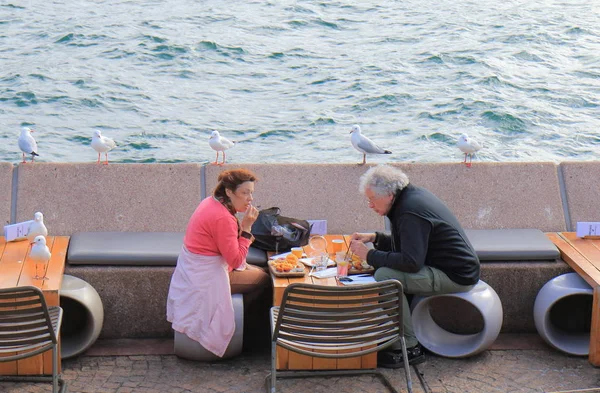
(425, 232)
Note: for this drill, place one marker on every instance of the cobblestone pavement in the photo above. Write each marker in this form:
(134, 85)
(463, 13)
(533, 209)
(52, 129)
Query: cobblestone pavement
(515, 371)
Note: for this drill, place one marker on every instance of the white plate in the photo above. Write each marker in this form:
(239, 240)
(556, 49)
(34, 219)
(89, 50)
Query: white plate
(309, 262)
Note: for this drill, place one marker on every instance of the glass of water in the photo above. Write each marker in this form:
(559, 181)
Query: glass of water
(320, 261)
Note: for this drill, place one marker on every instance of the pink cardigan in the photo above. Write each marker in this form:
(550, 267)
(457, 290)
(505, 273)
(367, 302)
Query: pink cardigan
(213, 230)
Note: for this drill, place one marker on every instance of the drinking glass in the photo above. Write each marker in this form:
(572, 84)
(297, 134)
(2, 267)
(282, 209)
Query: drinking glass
(343, 263)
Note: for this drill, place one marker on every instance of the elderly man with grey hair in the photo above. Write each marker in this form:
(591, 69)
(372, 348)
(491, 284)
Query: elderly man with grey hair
(427, 249)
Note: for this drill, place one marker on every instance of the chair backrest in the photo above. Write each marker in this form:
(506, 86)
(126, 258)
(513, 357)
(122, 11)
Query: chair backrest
(26, 327)
(339, 322)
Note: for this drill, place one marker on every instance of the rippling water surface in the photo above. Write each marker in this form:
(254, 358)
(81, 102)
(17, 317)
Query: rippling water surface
(287, 79)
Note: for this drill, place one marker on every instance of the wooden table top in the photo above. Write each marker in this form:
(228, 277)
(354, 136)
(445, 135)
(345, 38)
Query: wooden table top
(280, 283)
(17, 269)
(582, 254)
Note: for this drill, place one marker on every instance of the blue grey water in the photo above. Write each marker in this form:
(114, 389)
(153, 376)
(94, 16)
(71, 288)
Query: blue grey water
(287, 79)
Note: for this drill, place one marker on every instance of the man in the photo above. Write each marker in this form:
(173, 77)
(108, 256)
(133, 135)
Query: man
(427, 249)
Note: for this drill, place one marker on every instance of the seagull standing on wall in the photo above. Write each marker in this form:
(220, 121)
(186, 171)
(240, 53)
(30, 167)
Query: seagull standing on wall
(102, 144)
(364, 144)
(219, 143)
(469, 147)
(27, 144)
(37, 227)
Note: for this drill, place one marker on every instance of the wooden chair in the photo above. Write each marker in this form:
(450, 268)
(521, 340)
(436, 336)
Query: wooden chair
(28, 328)
(337, 322)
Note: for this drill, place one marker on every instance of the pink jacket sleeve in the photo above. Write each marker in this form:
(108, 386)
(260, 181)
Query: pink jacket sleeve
(233, 248)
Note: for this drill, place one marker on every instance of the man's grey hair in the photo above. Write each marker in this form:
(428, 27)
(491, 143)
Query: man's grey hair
(383, 180)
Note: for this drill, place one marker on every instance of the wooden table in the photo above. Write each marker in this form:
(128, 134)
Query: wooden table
(16, 270)
(583, 255)
(287, 360)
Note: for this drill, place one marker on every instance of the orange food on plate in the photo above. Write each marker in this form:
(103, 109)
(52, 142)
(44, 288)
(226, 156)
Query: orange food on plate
(283, 265)
(291, 258)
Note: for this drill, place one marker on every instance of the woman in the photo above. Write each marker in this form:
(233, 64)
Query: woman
(212, 264)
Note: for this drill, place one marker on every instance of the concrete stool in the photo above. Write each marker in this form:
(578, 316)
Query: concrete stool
(555, 290)
(83, 316)
(190, 349)
(448, 344)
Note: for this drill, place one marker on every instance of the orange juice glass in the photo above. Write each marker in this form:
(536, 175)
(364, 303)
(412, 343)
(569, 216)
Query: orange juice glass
(337, 245)
(297, 251)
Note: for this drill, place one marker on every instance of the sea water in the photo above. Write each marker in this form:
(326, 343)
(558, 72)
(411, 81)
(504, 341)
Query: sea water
(287, 79)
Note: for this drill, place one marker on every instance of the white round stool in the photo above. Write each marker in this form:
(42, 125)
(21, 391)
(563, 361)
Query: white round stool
(559, 288)
(83, 316)
(190, 349)
(444, 343)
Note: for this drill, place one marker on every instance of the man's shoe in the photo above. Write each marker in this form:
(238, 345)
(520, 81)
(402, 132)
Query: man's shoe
(393, 358)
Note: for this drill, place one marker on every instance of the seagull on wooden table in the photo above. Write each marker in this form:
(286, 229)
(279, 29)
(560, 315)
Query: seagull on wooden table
(40, 253)
(27, 143)
(102, 144)
(37, 227)
(364, 144)
(469, 147)
(219, 143)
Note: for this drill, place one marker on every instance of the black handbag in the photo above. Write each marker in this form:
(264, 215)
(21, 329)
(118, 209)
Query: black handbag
(274, 232)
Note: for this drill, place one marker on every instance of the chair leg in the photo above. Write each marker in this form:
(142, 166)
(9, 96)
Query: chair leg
(406, 365)
(273, 366)
(55, 368)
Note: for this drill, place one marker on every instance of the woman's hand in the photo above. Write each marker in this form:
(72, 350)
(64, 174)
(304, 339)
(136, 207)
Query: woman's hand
(363, 237)
(250, 216)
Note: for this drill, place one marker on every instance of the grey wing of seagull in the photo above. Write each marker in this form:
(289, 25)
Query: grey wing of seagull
(368, 146)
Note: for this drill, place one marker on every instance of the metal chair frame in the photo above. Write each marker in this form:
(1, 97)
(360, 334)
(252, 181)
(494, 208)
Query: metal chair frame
(29, 327)
(319, 321)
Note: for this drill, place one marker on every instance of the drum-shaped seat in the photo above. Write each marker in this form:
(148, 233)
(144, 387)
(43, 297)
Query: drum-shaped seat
(445, 343)
(565, 287)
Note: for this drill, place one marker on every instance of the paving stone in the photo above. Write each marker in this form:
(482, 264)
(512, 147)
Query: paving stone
(514, 371)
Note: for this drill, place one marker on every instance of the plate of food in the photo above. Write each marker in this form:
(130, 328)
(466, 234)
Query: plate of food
(287, 267)
(358, 266)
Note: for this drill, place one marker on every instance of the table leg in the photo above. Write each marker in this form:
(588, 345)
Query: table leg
(594, 357)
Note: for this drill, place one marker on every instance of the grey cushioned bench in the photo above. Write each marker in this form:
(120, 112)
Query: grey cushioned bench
(134, 249)
(512, 245)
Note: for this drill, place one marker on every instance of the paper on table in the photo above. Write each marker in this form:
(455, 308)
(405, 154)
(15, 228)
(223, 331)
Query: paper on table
(310, 261)
(331, 272)
(359, 280)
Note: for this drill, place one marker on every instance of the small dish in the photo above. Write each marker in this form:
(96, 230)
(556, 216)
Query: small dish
(310, 262)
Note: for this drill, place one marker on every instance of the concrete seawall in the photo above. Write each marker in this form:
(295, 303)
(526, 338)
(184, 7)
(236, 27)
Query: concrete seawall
(161, 197)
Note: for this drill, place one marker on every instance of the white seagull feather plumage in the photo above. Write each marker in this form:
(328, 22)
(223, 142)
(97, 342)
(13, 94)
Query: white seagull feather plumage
(102, 144)
(219, 144)
(364, 144)
(27, 143)
(40, 251)
(468, 146)
(37, 227)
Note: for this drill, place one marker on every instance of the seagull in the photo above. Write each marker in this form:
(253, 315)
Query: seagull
(219, 143)
(37, 227)
(40, 253)
(364, 144)
(102, 144)
(27, 144)
(469, 147)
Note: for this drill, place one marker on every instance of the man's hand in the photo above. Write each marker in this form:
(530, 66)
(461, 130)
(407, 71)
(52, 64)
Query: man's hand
(250, 216)
(363, 237)
(359, 248)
